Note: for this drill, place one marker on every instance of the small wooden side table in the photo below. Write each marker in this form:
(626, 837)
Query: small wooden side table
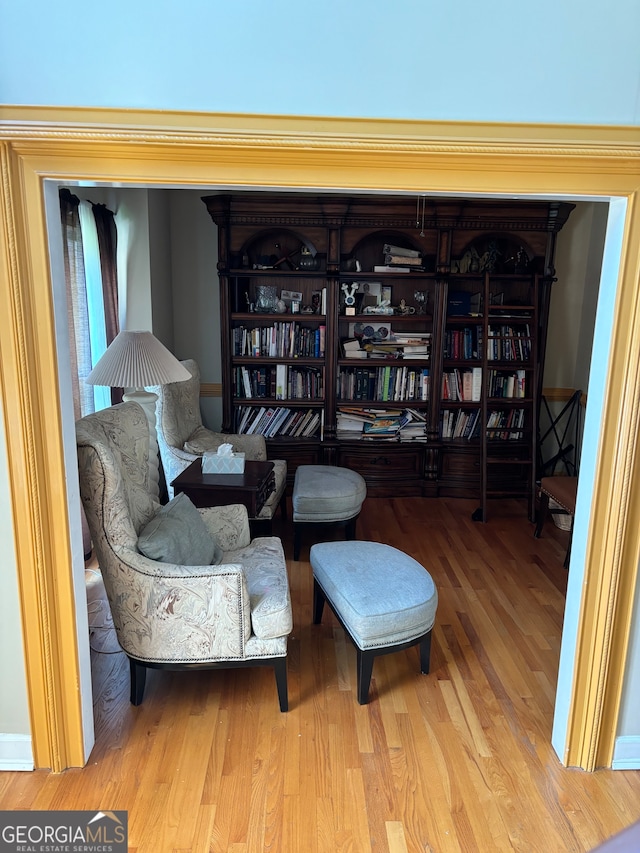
(252, 488)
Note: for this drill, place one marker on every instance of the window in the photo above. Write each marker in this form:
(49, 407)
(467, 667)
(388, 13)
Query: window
(89, 247)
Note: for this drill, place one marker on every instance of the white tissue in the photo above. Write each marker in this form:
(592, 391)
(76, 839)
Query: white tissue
(225, 450)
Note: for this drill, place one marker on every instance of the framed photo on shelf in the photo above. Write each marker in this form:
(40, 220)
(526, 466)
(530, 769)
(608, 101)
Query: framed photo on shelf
(385, 295)
(368, 295)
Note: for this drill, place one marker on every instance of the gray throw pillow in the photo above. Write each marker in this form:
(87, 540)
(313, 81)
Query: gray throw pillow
(178, 534)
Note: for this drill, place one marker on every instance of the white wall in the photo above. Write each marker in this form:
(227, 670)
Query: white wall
(548, 61)
(15, 731)
(196, 303)
(574, 297)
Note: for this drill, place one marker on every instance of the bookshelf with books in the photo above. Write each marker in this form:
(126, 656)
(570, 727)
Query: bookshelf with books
(343, 312)
(490, 384)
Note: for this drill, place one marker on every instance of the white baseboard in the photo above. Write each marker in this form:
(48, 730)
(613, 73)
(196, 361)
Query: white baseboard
(626, 753)
(16, 752)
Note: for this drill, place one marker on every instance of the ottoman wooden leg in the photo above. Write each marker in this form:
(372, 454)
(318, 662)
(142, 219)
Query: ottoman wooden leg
(365, 668)
(425, 654)
(318, 603)
(351, 529)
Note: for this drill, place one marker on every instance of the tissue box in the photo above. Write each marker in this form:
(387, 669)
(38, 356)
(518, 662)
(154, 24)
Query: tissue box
(212, 463)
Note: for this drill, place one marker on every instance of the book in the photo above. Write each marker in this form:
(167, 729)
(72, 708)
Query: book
(390, 249)
(393, 260)
(351, 348)
(312, 426)
(246, 383)
(389, 268)
(281, 382)
(467, 385)
(476, 384)
(252, 425)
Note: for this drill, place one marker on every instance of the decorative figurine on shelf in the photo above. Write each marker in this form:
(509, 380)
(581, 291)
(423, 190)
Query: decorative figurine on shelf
(489, 259)
(405, 309)
(349, 291)
(421, 297)
(520, 260)
(470, 261)
(308, 260)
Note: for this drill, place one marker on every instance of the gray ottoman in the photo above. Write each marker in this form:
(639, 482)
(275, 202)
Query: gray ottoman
(384, 599)
(326, 494)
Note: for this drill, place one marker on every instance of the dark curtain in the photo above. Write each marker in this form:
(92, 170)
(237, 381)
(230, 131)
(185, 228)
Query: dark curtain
(108, 243)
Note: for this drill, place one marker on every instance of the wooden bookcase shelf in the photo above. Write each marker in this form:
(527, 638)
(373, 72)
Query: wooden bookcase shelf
(303, 282)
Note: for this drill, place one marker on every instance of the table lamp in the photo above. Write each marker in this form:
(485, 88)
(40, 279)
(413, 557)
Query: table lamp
(132, 361)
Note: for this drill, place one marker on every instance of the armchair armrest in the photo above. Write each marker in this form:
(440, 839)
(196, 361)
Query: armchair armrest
(184, 613)
(228, 525)
(254, 447)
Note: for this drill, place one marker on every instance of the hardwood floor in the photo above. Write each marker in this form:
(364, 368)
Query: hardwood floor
(457, 760)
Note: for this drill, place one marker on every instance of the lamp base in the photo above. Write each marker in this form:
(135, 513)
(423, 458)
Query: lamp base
(147, 399)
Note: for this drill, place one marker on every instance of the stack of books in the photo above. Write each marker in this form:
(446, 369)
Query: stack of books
(352, 348)
(399, 259)
(380, 424)
(412, 425)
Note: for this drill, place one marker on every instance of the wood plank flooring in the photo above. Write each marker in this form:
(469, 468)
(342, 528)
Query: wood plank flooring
(457, 760)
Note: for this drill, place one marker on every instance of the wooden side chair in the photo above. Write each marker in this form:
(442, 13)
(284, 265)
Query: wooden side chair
(562, 490)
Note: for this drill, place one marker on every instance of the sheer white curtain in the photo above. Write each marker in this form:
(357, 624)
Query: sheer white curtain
(89, 246)
(96, 326)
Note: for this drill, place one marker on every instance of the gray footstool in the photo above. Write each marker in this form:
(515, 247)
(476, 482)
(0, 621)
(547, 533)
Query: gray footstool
(326, 494)
(384, 599)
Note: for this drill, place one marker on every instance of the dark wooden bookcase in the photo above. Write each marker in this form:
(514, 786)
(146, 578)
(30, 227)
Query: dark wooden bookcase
(294, 267)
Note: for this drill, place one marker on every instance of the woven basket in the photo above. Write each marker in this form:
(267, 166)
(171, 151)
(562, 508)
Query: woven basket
(561, 520)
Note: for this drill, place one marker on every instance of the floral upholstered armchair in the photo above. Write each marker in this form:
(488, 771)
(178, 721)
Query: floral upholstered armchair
(187, 587)
(182, 437)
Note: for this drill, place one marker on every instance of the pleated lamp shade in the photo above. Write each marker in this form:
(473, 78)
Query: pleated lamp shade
(137, 359)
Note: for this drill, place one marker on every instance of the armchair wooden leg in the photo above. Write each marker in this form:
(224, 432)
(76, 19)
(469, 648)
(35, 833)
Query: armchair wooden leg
(280, 667)
(542, 514)
(296, 541)
(283, 506)
(138, 677)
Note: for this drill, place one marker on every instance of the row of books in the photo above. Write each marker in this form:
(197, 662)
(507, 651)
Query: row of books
(463, 343)
(272, 421)
(509, 343)
(466, 424)
(391, 383)
(463, 385)
(380, 424)
(503, 384)
(285, 339)
(280, 382)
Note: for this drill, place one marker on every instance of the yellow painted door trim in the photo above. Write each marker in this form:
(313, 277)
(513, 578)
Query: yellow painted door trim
(206, 150)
